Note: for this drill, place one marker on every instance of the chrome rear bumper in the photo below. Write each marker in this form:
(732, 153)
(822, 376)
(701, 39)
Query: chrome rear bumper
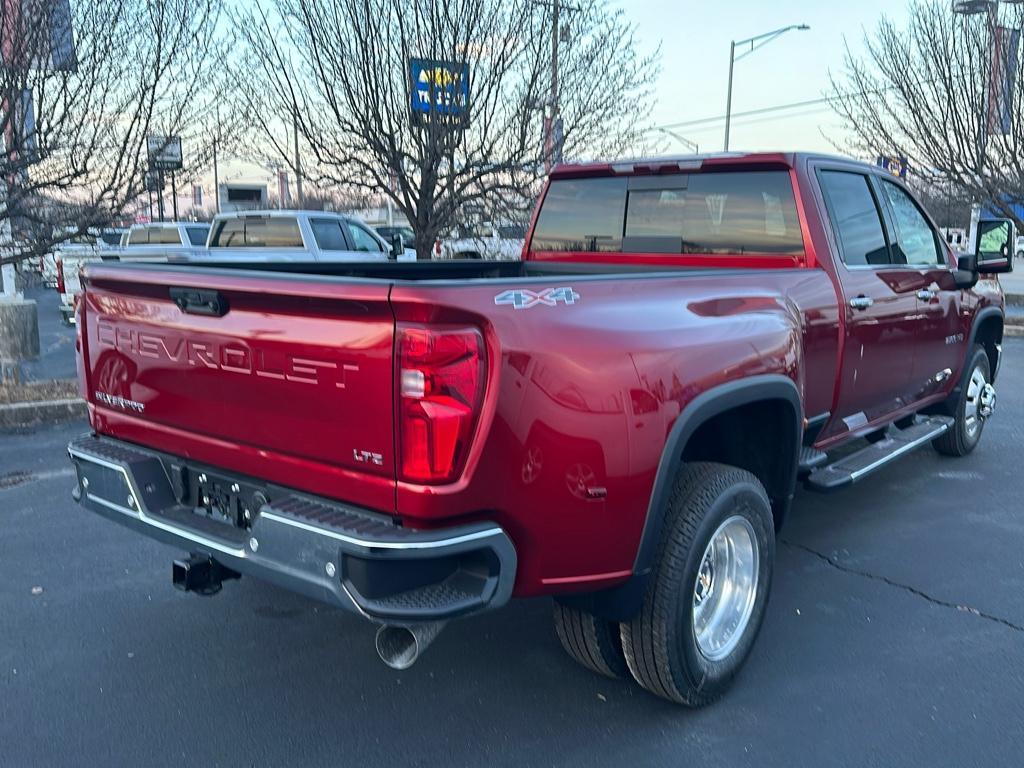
(330, 551)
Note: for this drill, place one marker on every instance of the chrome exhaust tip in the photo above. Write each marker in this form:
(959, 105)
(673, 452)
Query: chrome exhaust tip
(399, 645)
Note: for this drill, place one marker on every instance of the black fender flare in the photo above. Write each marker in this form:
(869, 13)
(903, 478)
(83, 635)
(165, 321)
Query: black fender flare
(705, 406)
(622, 602)
(980, 317)
(948, 406)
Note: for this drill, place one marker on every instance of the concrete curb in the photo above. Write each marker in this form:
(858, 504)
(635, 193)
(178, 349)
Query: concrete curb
(13, 415)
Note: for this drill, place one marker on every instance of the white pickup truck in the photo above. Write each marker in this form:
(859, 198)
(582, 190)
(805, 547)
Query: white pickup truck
(319, 236)
(96, 243)
(156, 241)
(490, 242)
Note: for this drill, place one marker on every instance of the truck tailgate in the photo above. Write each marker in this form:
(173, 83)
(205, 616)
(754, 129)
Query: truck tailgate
(288, 379)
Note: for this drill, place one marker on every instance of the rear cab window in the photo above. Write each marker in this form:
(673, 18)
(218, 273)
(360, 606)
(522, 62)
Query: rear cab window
(164, 236)
(138, 237)
(708, 213)
(257, 232)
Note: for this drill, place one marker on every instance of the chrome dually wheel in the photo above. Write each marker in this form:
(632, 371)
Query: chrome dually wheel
(981, 401)
(975, 402)
(726, 585)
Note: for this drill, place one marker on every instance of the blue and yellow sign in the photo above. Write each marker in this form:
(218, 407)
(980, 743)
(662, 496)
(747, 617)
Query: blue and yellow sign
(439, 92)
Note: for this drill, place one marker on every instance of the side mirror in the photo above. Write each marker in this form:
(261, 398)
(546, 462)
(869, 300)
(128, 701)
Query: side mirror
(993, 248)
(966, 275)
(397, 246)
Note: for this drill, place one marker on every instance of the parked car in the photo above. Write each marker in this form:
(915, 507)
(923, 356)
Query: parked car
(619, 421)
(487, 241)
(298, 236)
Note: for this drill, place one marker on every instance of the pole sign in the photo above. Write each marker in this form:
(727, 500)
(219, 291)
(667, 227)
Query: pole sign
(439, 92)
(164, 152)
(897, 166)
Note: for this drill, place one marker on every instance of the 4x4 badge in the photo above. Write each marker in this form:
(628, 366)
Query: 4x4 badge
(549, 297)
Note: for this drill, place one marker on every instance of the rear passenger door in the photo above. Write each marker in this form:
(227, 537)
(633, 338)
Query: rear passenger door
(879, 304)
(332, 243)
(941, 341)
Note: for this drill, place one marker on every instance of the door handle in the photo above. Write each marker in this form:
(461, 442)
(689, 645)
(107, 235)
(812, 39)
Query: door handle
(861, 302)
(927, 294)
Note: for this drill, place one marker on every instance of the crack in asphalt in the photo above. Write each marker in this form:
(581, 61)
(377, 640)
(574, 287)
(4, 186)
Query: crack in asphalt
(898, 585)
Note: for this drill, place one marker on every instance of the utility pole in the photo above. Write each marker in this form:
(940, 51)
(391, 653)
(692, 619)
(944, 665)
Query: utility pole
(556, 151)
(174, 196)
(160, 194)
(216, 178)
(298, 165)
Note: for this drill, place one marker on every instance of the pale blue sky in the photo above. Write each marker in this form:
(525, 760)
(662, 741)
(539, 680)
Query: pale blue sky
(695, 40)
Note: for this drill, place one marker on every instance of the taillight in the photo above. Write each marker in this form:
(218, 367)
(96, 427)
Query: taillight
(60, 275)
(441, 374)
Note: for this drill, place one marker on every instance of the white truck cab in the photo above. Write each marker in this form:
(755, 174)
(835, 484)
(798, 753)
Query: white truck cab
(294, 236)
(166, 238)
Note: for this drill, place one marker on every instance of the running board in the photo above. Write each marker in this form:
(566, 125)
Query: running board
(856, 466)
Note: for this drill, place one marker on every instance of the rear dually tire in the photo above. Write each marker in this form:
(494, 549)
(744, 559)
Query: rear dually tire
(706, 596)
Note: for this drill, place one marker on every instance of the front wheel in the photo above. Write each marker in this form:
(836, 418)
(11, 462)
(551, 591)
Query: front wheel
(706, 597)
(976, 403)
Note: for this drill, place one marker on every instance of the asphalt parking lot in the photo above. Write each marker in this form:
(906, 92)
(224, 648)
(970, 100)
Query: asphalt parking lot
(894, 636)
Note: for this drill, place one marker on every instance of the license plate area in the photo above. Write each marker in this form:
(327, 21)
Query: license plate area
(218, 498)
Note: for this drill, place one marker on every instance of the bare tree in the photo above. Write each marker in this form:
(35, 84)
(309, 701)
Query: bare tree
(927, 92)
(82, 86)
(339, 69)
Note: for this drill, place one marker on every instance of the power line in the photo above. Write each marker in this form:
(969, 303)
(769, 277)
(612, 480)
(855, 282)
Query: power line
(782, 107)
(748, 113)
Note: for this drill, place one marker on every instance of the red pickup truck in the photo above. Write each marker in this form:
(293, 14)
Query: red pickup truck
(620, 420)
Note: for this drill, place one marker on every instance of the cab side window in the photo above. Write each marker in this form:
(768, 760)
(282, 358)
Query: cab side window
(856, 217)
(363, 240)
(915, 241)
(328, 234)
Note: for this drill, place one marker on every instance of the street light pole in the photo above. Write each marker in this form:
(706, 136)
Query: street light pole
(754, 42)
(728, 98)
